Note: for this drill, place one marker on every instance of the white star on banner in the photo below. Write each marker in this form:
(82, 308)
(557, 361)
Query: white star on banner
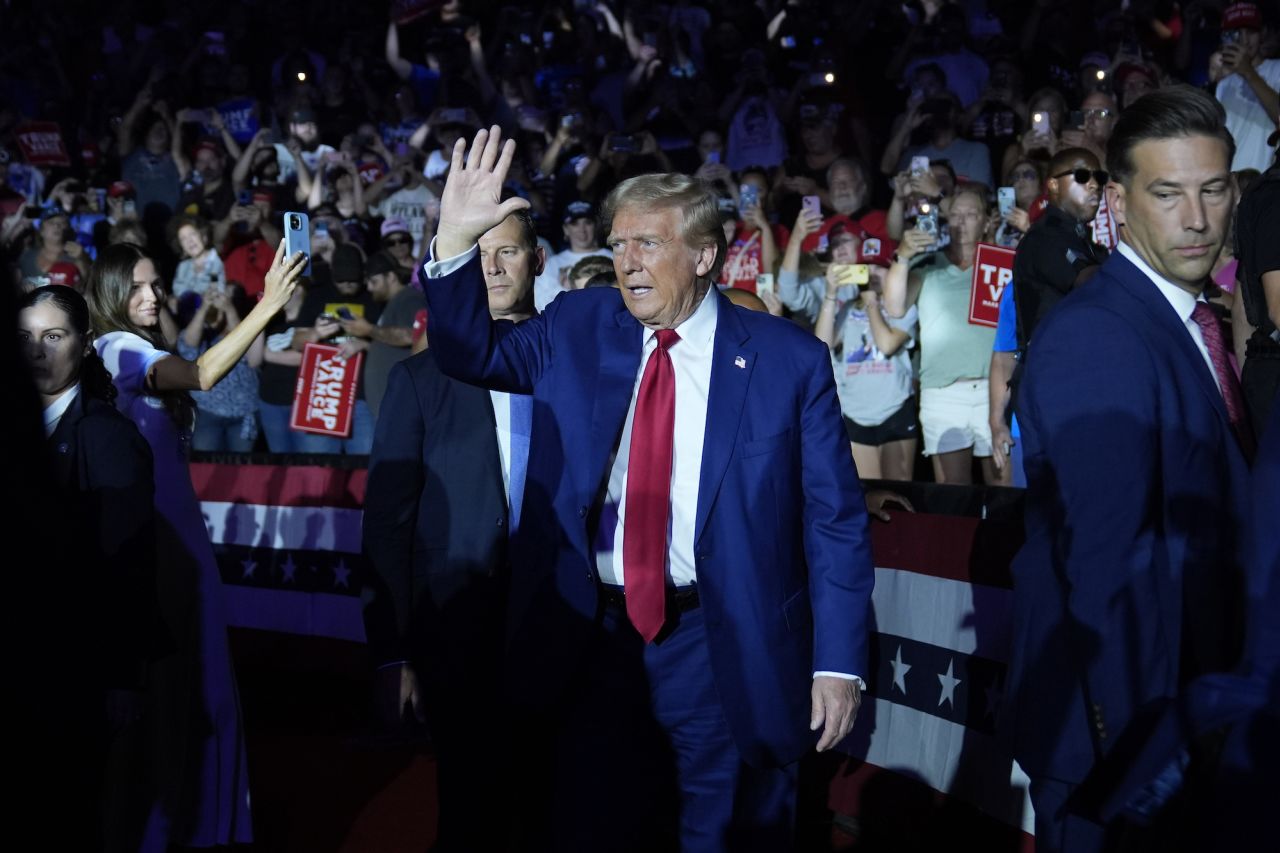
(900, 671)
(948, 685)
(249, 568)
(289, 568)
(341, 575)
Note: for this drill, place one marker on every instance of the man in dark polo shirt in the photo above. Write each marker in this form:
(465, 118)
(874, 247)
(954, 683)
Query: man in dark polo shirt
(1058, 255)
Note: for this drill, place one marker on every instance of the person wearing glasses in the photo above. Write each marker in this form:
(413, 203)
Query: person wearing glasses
(1058, 254)
(1098, 113)
(398, 243)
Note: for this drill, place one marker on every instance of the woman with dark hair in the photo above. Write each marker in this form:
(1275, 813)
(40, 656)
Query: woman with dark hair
(197, 767)
(102, 474)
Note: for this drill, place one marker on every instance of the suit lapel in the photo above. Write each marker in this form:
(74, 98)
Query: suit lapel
(1166, 319)
(731, 368)
(62, 443)
(621, 348)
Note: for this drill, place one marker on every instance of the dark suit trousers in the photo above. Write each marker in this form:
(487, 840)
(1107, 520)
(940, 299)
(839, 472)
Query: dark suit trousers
(460, 674)
(645, 759)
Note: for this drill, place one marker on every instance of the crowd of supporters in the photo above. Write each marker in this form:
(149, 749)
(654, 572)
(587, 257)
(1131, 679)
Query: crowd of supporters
(862, 151)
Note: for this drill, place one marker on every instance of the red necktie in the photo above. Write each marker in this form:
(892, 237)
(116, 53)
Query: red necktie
(644, 540)
(1228, 384)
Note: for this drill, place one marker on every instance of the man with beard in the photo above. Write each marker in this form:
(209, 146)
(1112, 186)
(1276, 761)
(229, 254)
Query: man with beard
(304, 144)
(1058, 254)
(849, 196)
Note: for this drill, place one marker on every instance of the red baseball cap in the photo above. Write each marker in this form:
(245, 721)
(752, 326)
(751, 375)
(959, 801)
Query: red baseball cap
(121, 189)
(876, 250)
(1241, 16)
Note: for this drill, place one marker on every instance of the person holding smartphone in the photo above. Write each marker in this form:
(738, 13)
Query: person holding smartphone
(870, 352)
(955, 355)
(1247, 86)
(752, 248)
(191, 754)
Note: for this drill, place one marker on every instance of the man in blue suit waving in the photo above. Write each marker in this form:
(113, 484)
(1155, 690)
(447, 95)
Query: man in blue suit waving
(1130, 584)
(692, 573)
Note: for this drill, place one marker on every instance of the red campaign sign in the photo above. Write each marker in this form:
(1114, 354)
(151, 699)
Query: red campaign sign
(992, 272)
(324, 399)
(42, 145)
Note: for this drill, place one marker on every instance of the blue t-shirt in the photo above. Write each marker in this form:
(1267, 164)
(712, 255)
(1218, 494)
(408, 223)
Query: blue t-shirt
(425, 83)
(1007, 325)
(1007, 335)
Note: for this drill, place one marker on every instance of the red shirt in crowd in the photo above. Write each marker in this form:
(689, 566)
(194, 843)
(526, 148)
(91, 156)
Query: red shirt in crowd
(743, 260)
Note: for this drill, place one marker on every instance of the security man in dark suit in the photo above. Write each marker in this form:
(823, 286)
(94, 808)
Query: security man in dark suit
(1057, 255)
(446, 478)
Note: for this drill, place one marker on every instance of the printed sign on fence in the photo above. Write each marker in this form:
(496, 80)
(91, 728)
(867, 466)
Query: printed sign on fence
(992, 272)
(324, 399)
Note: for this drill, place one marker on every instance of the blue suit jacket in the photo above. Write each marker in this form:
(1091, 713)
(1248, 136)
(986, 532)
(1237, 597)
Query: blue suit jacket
(1130, 583)
(781, 546)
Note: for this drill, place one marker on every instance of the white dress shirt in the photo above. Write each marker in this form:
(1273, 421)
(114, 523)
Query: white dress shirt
(691, 363)
(54, 411)
(1182, 302)
(502, 425)
(501, 399)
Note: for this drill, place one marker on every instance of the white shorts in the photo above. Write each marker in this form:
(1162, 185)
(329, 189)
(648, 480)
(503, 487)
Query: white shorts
(955, 417)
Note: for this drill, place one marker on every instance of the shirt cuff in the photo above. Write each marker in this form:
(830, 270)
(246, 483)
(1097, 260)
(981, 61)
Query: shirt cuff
(862, 685)
(440, 269)
(392, 663)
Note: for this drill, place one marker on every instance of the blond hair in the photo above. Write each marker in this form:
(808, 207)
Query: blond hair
(698, 204)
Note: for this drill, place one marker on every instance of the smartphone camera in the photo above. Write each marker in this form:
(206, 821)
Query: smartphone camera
(295, 223)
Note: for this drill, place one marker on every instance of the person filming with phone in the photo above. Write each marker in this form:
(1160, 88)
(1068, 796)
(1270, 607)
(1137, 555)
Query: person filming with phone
(1247, 86)
(955, 355)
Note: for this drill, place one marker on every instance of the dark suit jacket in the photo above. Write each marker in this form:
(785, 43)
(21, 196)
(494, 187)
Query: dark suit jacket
(103, 467)
(435, 521)
(1130, 583)
(781, 546)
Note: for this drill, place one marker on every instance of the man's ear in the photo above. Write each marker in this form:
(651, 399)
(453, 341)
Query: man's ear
(539, 259)
(1116, 201)
(706, 260)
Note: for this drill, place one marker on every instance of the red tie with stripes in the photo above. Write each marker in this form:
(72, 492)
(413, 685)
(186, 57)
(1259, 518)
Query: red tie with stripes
(648, 500)
(1228, 384)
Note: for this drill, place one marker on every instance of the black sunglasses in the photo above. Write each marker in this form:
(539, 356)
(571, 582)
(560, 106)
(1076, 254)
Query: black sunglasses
(1081, 176)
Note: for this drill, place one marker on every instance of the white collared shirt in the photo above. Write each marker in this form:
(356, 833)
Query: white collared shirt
(501, 400)
(1182, 302)
(54, 411)
(691, 364)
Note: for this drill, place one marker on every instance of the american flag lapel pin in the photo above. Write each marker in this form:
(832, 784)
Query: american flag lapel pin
(740, 362)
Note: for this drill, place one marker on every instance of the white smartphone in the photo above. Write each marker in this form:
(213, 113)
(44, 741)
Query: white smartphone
(764, 282)
(1007, 200)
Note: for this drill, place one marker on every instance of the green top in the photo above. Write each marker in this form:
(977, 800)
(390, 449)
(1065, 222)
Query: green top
(951, 348)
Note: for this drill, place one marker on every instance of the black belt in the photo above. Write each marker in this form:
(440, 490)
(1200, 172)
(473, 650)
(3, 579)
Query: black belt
(681, 599)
